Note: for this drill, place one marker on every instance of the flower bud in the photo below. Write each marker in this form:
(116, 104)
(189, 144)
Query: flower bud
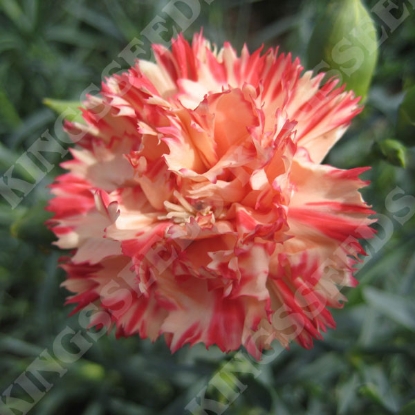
(392, 151)
(344, 45)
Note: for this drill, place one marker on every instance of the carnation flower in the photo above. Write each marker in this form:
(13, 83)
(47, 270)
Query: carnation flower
(196, 205)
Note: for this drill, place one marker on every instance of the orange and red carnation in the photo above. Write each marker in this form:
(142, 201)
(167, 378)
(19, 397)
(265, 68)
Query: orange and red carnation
(196, 205)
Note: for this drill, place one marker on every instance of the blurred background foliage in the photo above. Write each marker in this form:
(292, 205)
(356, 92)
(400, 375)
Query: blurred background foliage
(56, 49)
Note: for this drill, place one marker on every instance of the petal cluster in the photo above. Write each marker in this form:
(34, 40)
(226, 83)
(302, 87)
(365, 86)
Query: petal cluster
(195, 205)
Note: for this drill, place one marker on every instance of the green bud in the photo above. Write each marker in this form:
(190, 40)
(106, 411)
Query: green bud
(405, 127)
(392, 151)
(70, 109)
(344, 45)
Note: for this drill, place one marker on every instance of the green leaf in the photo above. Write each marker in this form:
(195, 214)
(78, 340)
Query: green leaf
(405, 127)
(31, 9)
(346, 394)
(14, 12)
(8, 113)
(35, 123)
(258, 394)
(124, 24)
(74, 36)
(95, 19)
(378, 387)
(344, 45)
(95, 408)
(397, 308)
(408, 409)
(31, 227)
(120, 406)
(7, 161)
(9, 41)
(19, 347)
(71, 109)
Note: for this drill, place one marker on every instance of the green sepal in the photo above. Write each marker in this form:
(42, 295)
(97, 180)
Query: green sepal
(70, 109)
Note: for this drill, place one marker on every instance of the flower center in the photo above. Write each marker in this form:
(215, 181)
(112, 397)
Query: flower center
(182, 211)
